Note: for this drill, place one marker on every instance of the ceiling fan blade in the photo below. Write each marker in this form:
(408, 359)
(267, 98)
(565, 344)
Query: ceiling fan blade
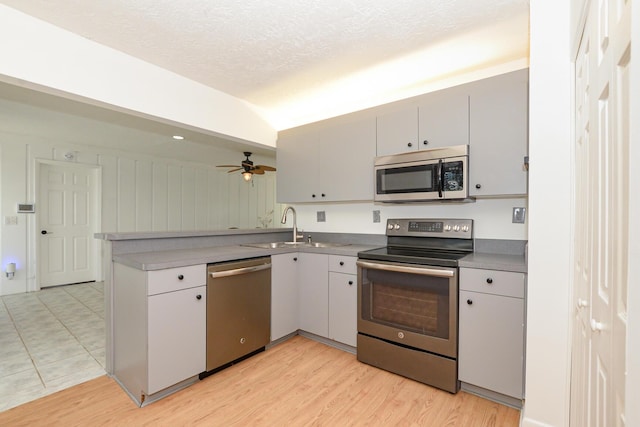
(228, 166)
(258, 171)
(235, 170)
(266, 168)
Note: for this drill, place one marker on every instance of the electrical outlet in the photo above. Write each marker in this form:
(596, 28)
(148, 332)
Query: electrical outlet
(518, 216)
(376, 216)
(320, 216)
(10, 220)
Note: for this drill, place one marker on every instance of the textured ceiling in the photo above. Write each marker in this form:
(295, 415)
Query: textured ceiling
(280, 53)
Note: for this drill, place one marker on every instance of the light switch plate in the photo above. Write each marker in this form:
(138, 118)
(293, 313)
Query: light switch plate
(376, 216)
(320, 216)
(518, 215)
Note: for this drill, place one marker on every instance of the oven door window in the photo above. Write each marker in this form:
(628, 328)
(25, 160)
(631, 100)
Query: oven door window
(407, 179)
(410, 302)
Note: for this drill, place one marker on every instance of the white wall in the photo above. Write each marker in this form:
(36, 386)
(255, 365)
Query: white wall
(139, 193)
(548, 307)
(39, 55)
(492, 217)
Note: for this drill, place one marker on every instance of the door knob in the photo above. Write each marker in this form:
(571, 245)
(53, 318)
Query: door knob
(44, 232)
(596, 326)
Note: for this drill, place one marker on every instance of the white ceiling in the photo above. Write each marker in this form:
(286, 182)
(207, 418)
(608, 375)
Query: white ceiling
(296, 57)
(275, 53)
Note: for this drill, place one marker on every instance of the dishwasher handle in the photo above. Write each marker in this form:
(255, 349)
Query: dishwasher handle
(238, 271)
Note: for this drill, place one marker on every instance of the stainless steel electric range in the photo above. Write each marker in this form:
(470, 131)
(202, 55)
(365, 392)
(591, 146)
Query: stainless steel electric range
(408, 300)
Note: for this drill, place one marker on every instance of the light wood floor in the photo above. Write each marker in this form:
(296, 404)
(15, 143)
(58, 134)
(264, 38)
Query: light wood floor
(299, 382)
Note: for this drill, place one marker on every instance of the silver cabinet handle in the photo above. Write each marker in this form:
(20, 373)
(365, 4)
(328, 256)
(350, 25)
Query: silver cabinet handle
(238, 271)
(405, 269)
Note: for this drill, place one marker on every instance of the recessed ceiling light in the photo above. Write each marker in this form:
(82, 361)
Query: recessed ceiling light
(178, 137)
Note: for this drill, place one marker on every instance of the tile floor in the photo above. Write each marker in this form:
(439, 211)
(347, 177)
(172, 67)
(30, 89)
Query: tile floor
(50, 340)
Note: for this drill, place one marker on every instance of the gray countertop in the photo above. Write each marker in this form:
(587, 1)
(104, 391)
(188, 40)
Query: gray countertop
(204, 247)
(159, 260)
(487, 261)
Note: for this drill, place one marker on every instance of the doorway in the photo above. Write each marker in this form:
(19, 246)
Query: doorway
(68, 217)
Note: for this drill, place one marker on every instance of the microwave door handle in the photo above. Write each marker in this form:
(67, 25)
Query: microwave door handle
(440, 178)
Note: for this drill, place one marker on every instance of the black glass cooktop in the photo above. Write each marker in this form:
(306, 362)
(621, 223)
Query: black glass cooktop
(441, 258)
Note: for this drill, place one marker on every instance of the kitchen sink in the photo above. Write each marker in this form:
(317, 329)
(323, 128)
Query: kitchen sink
(278, 245)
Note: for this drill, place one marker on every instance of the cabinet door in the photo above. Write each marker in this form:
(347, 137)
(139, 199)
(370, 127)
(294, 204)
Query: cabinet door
(313, 288)
(347, 152)
(176, 337)
(397, 132)
(491, 342)
(297, 161)
(443, 119)
(343, 306)
(284, 295)
(498, 135)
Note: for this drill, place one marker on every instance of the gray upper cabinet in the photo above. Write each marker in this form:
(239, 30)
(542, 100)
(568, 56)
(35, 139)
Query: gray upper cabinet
(397, 131)
(443, 119)
(332, 160)
(498, 135)
(328, 161)
(438, 119)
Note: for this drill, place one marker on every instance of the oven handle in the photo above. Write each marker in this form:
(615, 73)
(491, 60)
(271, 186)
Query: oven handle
(404, 269)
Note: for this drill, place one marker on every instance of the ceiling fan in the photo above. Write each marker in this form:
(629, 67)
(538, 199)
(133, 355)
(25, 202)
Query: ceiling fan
(248, 168)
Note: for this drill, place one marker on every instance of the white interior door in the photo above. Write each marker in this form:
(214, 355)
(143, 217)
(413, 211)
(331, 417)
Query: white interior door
(601, 217)
(67, 217)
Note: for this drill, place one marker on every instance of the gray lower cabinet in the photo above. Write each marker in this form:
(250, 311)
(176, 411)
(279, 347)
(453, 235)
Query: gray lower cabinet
(491, 330)
(284, 295)
(313, 292)
(343, 299)
(498, 129)
(327, 161)
(159, 327)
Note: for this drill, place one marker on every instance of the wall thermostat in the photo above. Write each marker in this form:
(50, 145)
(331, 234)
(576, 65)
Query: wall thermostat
(26, 208)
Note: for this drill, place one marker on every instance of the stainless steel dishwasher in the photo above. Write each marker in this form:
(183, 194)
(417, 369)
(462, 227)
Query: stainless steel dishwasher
(238, 310)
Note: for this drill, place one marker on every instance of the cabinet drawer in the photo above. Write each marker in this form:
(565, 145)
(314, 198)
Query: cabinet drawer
(343, 264)
(495, 282)
(174, 279)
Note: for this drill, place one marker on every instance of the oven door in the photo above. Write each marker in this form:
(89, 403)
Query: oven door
(408, 304)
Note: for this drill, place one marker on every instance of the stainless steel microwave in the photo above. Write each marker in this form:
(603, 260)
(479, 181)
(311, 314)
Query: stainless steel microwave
(425, 175)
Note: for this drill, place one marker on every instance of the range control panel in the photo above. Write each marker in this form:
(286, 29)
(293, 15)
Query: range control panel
(429, 227)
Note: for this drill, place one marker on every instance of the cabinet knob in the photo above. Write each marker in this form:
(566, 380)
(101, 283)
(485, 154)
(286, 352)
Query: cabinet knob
(478, 186)
(350, 282)
(323, 195)
(409, 145)
(313, 195)
(425, 142)
(469, 302)
(198, 297)
(341, 263)
(295, 258)
(180, 277)
(489, 280)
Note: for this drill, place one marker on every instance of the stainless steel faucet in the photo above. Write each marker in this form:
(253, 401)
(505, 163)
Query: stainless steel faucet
(295, 226)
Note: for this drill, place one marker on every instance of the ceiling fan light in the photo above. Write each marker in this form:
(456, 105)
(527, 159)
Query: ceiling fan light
(247, 176)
